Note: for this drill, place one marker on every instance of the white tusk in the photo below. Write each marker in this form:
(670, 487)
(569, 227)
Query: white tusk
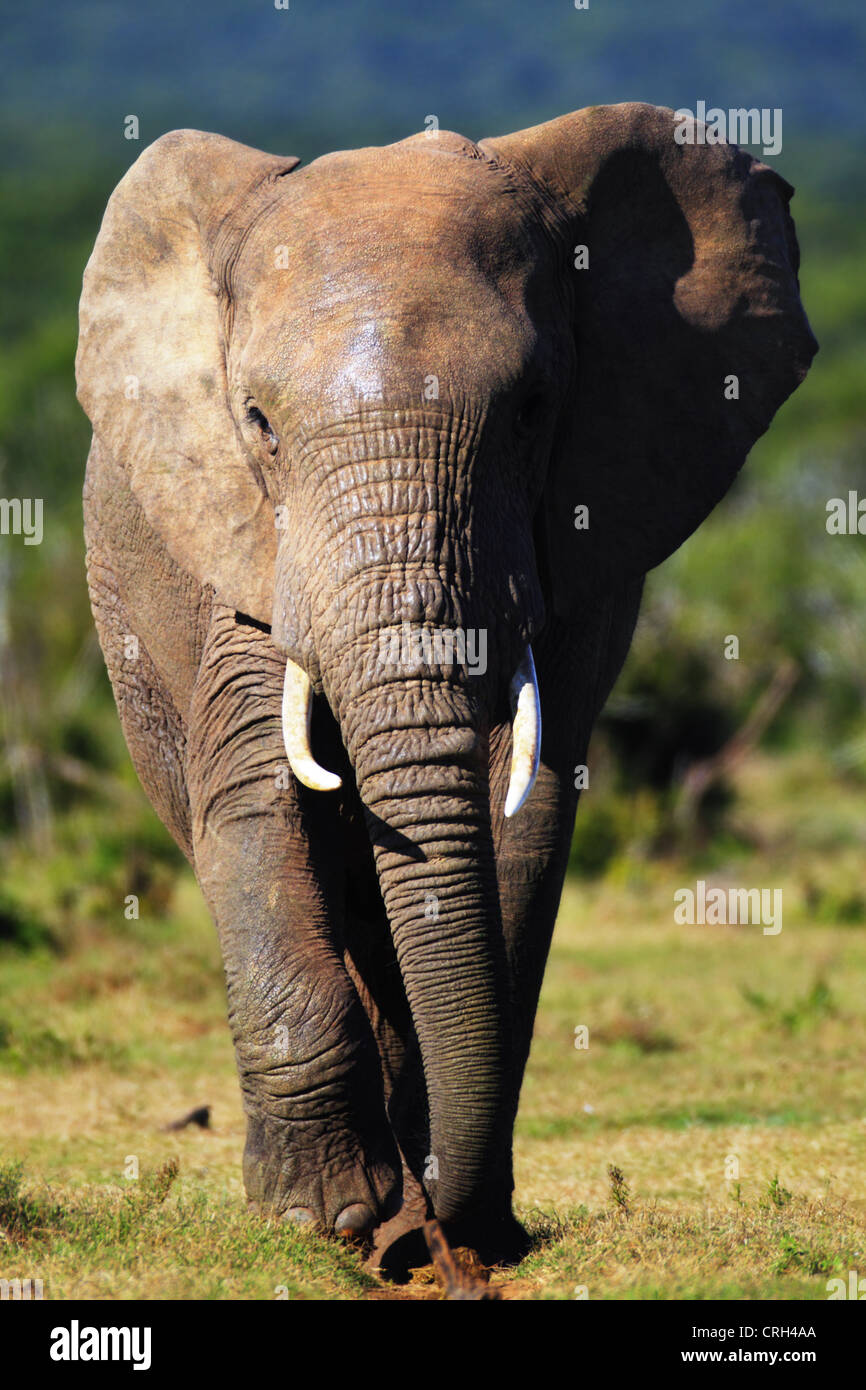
(525, 734)
(297, 711)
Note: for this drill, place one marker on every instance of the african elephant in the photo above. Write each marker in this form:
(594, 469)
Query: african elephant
(461, 394)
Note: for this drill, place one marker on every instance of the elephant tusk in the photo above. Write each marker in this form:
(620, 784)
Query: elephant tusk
(525, 734)
(297, 711)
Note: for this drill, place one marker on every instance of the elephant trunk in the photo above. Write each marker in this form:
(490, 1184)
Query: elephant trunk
(423, 780)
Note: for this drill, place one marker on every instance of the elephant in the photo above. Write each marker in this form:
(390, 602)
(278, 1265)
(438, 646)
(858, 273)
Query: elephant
(383, 448)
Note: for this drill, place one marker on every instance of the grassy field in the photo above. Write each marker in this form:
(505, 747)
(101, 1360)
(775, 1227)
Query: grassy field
(723, 1084)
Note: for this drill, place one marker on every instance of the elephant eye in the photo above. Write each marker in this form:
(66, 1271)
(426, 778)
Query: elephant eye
(261, 423)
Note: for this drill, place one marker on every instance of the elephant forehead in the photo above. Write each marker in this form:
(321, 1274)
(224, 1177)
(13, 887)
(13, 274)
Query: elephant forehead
(383, 290)
(397, 218)
(362, 344)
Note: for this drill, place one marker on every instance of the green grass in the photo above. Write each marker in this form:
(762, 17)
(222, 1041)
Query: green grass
(722, 1079)
(148, 1241)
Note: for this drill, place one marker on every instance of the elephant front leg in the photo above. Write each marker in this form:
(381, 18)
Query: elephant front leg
(318, 1147)
(317, 1143)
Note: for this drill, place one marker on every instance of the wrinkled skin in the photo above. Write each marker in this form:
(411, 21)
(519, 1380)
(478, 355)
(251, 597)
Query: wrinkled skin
(330, 400)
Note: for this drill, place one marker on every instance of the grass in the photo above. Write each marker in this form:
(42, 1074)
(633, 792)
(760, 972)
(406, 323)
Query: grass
(150, 1241)
(708, 1141)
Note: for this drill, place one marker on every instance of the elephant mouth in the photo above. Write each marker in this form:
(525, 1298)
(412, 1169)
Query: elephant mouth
(297, 708)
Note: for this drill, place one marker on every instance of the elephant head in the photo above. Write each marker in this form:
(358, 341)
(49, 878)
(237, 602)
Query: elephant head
(369, 397)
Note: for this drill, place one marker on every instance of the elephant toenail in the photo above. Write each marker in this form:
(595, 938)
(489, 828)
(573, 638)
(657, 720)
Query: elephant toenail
(300, 1216)
(355, 1222)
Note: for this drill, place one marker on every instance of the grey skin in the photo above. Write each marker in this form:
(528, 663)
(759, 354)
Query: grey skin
(276, 482)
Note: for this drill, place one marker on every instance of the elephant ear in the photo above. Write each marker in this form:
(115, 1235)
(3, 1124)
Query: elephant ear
(688, 327)
(151, 367)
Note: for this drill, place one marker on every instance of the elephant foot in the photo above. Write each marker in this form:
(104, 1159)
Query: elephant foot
(345, 1194)
(301, 1216)
(355, 1222)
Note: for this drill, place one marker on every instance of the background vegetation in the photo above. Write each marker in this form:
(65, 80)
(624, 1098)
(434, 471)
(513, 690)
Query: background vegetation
(708, 1041)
